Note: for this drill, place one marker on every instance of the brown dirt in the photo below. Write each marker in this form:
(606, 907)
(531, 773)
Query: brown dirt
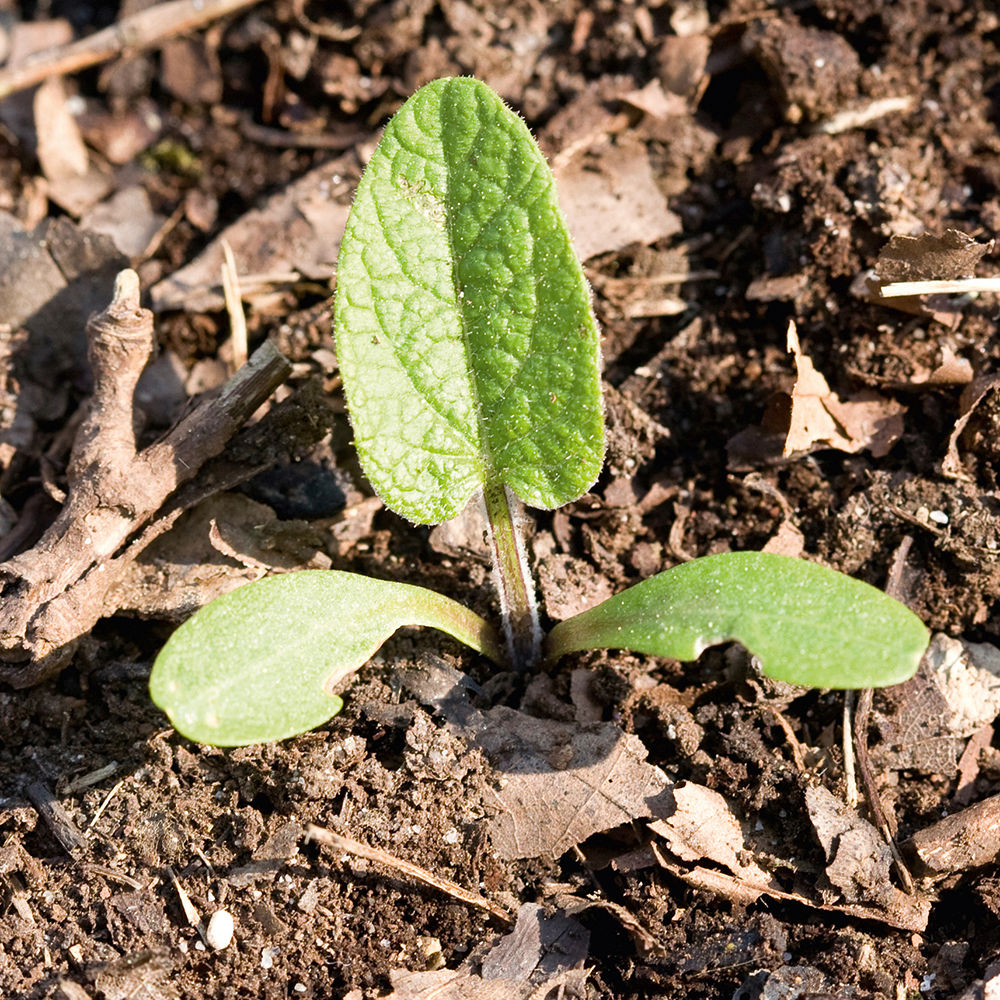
(766, 203)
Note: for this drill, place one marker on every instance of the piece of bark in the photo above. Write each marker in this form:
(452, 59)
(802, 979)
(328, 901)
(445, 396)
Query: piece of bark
(966, 839)
(54, 593)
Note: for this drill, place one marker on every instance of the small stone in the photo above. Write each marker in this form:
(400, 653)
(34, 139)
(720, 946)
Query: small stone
(219, 933)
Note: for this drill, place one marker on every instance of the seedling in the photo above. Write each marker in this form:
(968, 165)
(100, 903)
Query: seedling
(470, 358)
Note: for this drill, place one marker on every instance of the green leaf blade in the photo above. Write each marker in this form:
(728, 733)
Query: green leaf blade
(806, 624)
(465, 335)
(257, 664)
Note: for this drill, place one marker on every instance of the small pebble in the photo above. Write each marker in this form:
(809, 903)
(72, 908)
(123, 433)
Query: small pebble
(219, 932)
(938, 517)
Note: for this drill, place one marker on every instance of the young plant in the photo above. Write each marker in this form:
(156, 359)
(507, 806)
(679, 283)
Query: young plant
(470, 359)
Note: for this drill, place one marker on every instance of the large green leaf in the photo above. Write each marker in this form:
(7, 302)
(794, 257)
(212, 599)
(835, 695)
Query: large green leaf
(805, 624)
(465, 336)
(258, 664)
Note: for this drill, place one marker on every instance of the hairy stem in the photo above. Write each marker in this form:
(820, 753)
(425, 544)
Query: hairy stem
(519, 612)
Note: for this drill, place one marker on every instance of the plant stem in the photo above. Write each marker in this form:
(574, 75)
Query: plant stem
(518, 609)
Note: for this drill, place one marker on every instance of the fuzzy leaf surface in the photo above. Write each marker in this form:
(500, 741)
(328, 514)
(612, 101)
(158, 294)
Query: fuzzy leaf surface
(258, 664)
(806, 624)
(465, 335)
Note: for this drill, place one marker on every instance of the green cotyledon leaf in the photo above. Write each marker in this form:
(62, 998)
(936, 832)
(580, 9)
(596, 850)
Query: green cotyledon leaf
(804, 623)
(465, 336)
(259, 664)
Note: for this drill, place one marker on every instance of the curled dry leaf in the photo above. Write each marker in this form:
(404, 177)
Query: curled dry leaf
(972, 395)
(821, 419)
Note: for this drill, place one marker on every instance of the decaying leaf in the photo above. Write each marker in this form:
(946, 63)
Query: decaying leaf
(296, 232)
(820, 419)
(929, 258)
(968, 676)
(563, 782)
(914, 721)
(610, 199)
(972, 395)
(542, 956)
(704, 828)
(75, 182)
(226, 541)
(858, 859)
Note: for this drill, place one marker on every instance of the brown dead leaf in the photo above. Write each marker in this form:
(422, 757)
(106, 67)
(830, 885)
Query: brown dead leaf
(226, 541)
(820, 419)
(611, 199)
(915, 723)
(461, 984)
(859, 861)
(128, 218)
(542, 954)
(704, 828)
(563, 782)
(929, 258)
(75, 182)
(297, 231)
(972, 395)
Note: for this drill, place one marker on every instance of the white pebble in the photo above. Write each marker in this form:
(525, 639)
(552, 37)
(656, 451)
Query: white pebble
(220, 930)
(938, 517)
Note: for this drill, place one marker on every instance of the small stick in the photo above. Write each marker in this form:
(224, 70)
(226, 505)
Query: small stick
(850, 772)
(104, 805)
(57, 819)
(958, 286)
(191, 914)
(234, 307)
(54, 593)
(142, 30)
(418, 874)
(886, 822)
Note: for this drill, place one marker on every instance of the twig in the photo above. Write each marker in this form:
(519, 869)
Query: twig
(57, 819)
(958, 286)
(418, 874)
(885, 822)
(142, 30)
(794, 743)
(55, 592)
(104, 805)
(850, 771)
(234, 306)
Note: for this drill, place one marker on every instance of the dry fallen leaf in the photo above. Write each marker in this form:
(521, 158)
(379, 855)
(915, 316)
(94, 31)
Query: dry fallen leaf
(562, 783)
(541, 955)
(704, 828)
(820, 419)
(929, 258)
(75, 182)
(296, 232)
(972, 395)
(859, 861)
(611, 199)
(968, 677)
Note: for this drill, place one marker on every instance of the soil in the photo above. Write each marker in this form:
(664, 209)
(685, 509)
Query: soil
(778, 219)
